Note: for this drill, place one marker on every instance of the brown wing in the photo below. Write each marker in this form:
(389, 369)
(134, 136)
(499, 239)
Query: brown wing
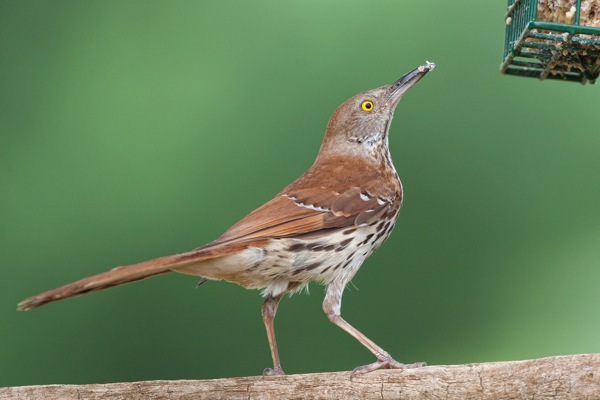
(321, 199)
(307, 211)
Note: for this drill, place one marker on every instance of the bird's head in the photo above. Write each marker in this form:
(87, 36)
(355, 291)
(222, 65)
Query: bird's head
(360, 125)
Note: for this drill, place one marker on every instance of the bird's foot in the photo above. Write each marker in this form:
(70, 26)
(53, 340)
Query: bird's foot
(277, 371)
(385, 361)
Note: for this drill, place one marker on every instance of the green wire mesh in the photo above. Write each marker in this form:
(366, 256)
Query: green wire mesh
(549, 50)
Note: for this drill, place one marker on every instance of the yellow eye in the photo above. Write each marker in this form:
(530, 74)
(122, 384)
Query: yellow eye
(367, 105)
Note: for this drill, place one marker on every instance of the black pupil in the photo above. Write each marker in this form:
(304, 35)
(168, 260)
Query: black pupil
(367, 105)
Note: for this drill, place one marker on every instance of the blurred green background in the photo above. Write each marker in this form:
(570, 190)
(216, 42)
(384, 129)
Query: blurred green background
(131, 130)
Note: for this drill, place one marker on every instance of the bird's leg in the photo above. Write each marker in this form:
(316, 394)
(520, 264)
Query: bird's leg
(332, 306)
(269, 309)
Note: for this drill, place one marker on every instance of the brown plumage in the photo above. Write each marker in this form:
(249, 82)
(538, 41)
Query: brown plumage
(319, 228)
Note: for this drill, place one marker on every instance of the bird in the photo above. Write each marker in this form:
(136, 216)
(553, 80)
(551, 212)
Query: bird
(320, 228)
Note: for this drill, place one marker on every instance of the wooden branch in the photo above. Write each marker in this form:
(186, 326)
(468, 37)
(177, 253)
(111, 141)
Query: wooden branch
(562, 377)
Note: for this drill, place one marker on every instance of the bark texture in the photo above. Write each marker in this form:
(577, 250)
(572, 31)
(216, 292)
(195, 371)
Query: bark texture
(561, 377)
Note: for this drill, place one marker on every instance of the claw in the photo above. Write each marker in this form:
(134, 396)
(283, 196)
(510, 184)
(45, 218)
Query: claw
(273, 372)
(384, 362)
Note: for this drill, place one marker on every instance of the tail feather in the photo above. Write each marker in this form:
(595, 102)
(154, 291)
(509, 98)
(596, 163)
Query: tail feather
(114, 277)
(131, 273)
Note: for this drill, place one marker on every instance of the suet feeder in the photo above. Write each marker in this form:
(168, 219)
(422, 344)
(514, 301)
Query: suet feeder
(553, 39)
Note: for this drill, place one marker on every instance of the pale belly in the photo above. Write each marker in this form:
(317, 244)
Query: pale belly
(288, 264)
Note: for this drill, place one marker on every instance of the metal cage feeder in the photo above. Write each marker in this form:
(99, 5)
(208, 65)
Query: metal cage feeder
(552, 50)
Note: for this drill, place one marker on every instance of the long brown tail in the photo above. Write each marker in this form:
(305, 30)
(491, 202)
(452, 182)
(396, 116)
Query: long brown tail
(131, 273)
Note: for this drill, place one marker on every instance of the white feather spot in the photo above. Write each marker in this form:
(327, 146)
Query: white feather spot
(311, 207)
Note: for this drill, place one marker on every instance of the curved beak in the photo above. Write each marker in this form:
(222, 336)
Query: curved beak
(398, 88)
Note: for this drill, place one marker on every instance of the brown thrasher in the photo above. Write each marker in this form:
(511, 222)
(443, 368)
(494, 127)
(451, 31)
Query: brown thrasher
(319, 228)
